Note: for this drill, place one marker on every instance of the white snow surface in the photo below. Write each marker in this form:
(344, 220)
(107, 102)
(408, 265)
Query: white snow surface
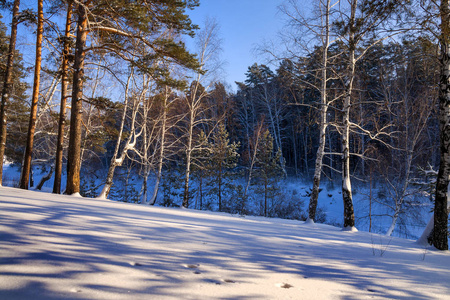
(62, 247)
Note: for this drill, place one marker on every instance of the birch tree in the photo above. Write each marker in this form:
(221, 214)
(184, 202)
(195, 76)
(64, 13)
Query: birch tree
(209, 48)
(162, 140)
(135, 131)
(440, 229)
(360, 19)
(320, 28)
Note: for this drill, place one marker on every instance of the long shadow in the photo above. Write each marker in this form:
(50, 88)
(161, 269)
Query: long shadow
(159, 243)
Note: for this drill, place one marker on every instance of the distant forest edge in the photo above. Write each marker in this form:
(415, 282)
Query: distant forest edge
(360, 94)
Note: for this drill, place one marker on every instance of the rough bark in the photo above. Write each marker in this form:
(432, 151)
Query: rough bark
(440, 229)
(25, 176)
(74, 153)
(7, 84)
(62, 113)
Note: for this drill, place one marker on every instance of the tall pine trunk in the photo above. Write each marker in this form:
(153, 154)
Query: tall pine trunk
(7, 84)
(74, 153)
(25, 176)
(440, 229)
(62, 112)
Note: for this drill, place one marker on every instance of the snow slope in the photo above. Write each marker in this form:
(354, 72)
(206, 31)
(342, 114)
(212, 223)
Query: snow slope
(62, 247)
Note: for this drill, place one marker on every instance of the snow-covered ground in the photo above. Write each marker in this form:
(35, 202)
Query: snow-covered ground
(63, 247)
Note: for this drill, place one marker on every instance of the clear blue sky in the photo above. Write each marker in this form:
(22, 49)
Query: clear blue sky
(243, 25)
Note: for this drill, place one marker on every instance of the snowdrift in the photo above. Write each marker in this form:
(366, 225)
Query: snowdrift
(63, 247)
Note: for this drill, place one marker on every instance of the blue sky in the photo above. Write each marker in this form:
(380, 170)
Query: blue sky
(243, 25)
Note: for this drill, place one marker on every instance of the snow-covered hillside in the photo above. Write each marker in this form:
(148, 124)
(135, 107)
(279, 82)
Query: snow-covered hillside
(62, 247)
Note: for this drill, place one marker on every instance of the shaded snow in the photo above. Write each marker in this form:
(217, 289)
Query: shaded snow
(62, 247)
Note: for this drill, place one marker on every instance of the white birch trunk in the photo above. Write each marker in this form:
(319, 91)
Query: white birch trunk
(162, 148)
(115, 160)
(323, 118)
(349, 217)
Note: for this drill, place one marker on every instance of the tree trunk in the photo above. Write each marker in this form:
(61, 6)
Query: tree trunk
(45, 178)
(74, 154)
(62, 112)
(188, 170)
(152, 200)
(144, 187)
(115, 160)
(7, 84)
(265, 196)
(440, 230)
(349, 217)
(323, 119)
(162, 148)
(25, 176)
(220, 186)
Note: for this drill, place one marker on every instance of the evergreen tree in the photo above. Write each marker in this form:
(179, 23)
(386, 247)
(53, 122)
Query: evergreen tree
(268, 169)
(64, 87)
(222, 158)
(117, 24)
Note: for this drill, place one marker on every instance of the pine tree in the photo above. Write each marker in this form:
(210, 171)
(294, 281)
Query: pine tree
(117, 24)
(222, 158)
(268, 169)
(7, 82)
(26, 167)
(64, 86)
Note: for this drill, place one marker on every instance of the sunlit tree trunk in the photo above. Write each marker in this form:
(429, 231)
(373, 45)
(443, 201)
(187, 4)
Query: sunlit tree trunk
(25, 176)
(117, 160)
(349, 216)
(187, 172)
(162, 148)
(62, 113)
(7, 84)
(74, 153)
(323, 115)
(209, 47)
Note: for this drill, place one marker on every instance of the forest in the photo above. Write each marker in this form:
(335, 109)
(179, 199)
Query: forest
(354, 96)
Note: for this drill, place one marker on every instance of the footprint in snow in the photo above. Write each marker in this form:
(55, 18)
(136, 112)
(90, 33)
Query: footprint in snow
(229, 281)
(192, 266)
(284, 285)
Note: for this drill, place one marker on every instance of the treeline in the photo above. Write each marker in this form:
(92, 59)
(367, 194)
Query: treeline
(354, 97)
